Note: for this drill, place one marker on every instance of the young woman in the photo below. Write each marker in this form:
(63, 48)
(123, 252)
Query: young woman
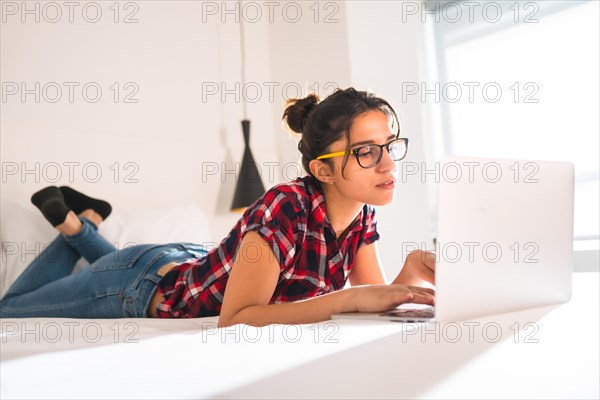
(285, 261)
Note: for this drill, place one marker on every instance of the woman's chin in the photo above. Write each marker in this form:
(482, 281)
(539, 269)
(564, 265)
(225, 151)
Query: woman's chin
(382, 200)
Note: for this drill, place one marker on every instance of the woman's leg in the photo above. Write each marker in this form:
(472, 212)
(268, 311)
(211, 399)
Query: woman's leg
(85, 239)
(58, 259)
(118, 285)
(58, 206)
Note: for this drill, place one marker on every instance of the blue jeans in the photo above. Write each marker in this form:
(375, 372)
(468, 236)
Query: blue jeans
(115, 284)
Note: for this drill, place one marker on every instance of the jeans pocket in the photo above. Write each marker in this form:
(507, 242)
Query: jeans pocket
(122, 259)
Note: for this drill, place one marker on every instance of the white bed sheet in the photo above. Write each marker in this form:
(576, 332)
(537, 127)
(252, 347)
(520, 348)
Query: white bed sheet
(151, 358)
(191, 358)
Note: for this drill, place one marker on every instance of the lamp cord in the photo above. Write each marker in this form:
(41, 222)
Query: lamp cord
(243, 59)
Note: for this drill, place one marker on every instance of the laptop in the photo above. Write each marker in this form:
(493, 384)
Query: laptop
(504, 239)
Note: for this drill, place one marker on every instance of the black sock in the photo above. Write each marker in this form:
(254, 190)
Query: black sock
(51, 203)
(79, 202)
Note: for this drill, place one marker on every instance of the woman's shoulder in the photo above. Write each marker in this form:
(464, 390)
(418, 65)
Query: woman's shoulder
(297, 191)
(287, 201)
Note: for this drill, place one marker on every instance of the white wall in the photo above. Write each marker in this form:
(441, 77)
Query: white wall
(173, 133)
(311, 56)
(169, 136)
(384, 53)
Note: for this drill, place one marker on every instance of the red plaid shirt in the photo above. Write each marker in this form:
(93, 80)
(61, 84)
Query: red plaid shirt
(291, 218)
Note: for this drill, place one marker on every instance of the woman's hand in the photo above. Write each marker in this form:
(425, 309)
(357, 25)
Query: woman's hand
(379, 298)
(418, 269)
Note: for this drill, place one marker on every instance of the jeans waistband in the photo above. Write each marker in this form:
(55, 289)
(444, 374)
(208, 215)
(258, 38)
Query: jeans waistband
(153, 259)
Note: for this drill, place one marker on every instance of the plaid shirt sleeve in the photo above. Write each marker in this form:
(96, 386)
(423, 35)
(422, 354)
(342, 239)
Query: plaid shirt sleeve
(276, 219)
(369, 233)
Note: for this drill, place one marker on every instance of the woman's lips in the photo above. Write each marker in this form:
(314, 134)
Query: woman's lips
(387, 185)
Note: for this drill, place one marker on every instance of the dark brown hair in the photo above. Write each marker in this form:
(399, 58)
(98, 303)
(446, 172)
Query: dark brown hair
(322, 123)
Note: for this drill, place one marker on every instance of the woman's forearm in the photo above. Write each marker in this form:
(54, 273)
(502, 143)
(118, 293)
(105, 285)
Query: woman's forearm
(300, 312)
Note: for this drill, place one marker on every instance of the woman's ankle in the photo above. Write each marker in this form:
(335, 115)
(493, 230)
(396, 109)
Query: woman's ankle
(71, 226)
(92, 216)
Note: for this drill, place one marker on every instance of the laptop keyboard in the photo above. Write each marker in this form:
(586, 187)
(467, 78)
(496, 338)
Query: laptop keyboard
(428, 312)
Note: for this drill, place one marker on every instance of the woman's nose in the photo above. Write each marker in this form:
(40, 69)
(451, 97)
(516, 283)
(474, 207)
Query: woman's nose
(387, 163)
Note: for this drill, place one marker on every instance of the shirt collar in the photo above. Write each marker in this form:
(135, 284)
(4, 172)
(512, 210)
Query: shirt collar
(317, 201)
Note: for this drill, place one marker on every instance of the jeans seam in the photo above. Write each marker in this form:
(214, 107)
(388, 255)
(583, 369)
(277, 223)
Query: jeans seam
(67, 305)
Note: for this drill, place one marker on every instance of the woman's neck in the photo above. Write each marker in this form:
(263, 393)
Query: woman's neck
(341, 211)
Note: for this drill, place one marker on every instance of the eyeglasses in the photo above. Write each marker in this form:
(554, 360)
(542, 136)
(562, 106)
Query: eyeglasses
(369, 155)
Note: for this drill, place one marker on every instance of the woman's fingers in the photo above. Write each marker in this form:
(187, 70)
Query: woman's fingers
(415, 294)
(375, 298)
(423, 298)
(422, 289)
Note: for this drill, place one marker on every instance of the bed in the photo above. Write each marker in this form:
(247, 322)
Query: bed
(531, 355)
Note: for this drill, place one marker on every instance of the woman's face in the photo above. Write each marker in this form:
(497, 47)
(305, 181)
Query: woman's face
(375, 185)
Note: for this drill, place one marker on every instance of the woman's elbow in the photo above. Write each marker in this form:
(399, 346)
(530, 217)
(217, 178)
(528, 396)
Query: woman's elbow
(224, 322)
(228, 319)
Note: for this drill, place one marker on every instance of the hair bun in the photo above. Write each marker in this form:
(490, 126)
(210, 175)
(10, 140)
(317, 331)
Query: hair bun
(297, 112)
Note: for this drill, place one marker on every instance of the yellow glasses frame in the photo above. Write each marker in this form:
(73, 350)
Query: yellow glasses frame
(356, 150)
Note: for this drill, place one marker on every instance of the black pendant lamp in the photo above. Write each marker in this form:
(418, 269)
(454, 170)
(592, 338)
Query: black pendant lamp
(249, 185)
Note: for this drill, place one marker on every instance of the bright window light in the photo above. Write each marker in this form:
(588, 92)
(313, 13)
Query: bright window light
(548, 107)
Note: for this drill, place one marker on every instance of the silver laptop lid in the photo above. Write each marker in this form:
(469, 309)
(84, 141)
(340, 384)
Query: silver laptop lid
(504, 236)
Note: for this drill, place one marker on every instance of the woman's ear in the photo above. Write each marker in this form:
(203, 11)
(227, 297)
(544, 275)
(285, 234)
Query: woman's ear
(324, 172)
